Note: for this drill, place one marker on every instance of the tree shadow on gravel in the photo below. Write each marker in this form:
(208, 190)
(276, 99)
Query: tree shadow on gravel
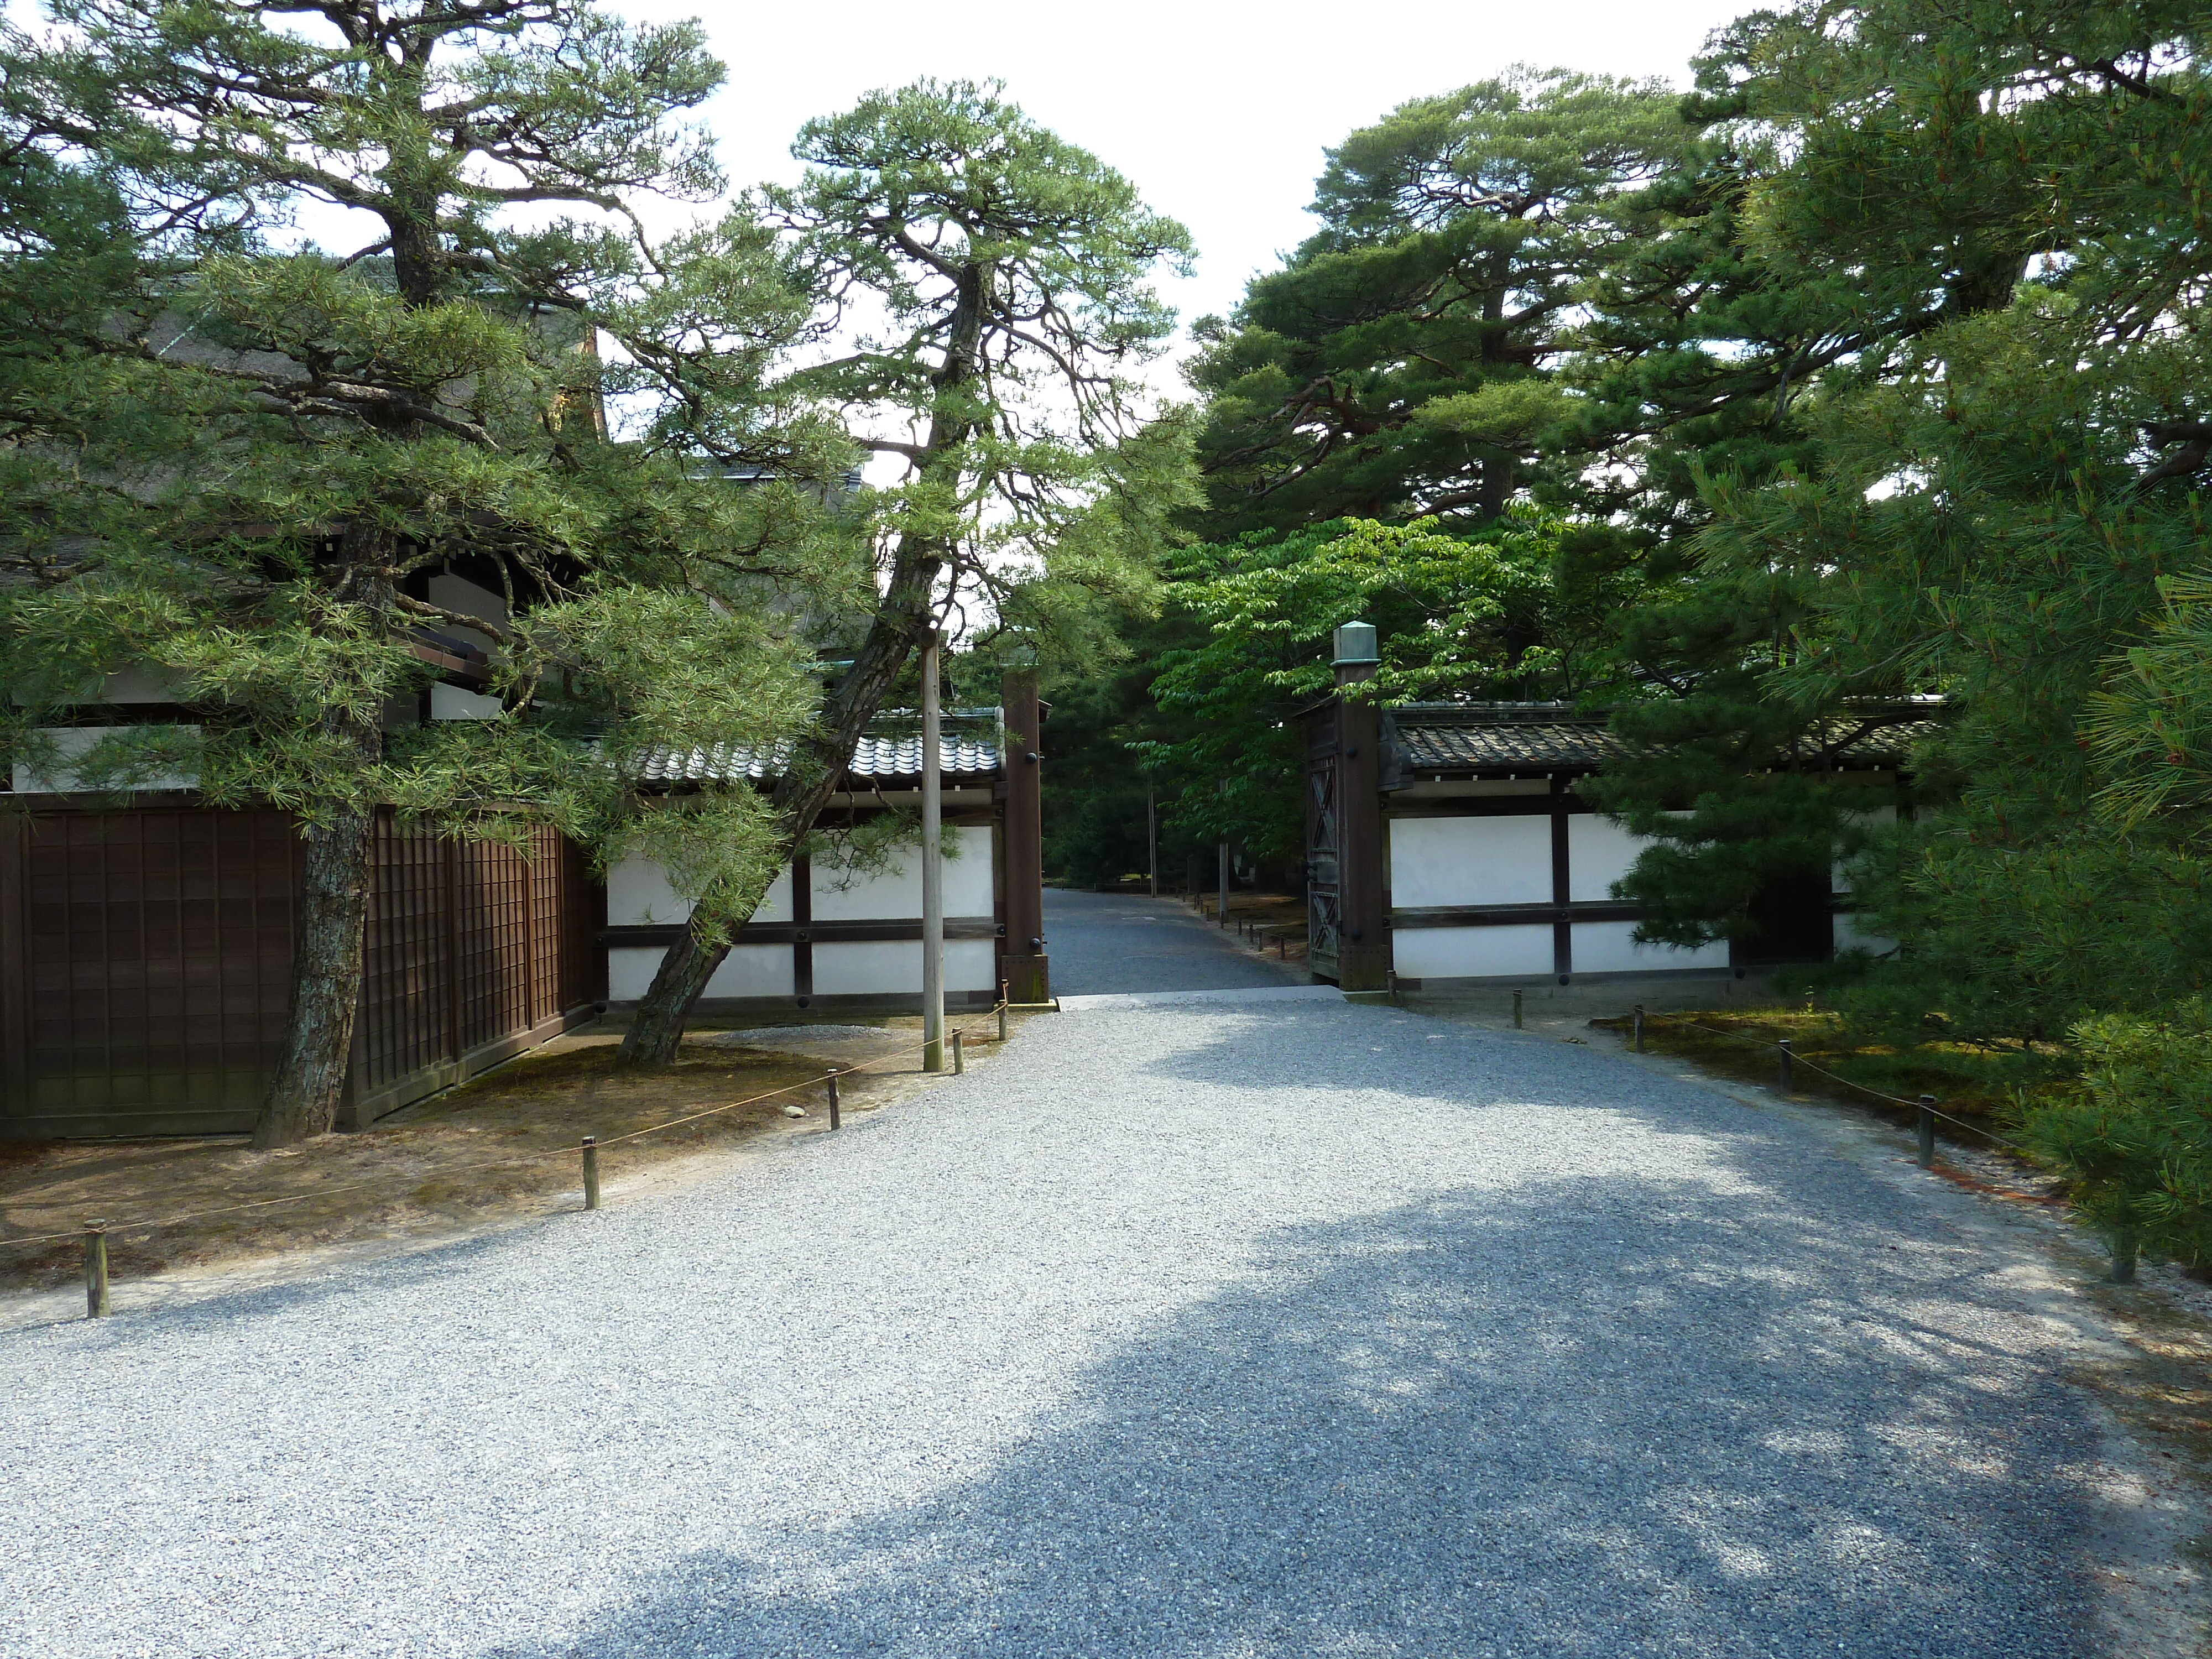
(1399, 1439)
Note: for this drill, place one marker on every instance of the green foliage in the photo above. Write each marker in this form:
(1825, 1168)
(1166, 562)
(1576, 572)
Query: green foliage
(1403, 362)
(1012, 272)
(1504, 610)
(2135, 1131)
(235, 467)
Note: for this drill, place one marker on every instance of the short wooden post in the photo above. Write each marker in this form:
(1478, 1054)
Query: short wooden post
(591, 1172)
(2123, 1256)
(1781, 1071)
(959, 1060)
(835, 1122)
(1640, 1028)
(1517, 1010)
(95, 1269)
(1927, 1158)
(1002, 1010)
(1283, 946)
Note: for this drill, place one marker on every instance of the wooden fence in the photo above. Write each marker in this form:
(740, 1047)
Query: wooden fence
(145, 965)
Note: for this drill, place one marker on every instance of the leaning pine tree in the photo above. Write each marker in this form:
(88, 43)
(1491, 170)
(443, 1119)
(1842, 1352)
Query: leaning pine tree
(1013, 273)
(232, 463)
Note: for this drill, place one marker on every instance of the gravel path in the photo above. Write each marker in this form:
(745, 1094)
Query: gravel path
(1117, 942)
(1260, 1328)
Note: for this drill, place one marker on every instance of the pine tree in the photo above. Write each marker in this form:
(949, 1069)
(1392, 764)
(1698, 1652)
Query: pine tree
(1013, 273)
(231, 459)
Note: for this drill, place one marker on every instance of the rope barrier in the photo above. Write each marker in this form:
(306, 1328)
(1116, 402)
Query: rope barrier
(117, 1228)
(1799, 1059)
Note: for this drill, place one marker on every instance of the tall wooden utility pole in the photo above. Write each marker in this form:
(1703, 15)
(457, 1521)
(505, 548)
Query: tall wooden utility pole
(933, 866)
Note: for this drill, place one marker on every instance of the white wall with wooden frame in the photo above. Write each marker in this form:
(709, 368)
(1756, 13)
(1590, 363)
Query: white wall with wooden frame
(1496, 869)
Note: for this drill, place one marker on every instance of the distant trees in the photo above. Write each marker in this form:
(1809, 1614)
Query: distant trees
(1865, 388)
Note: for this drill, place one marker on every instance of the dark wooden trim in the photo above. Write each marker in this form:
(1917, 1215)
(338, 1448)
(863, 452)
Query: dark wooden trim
(802, 926)
(1563, 930)
(458, 667)
(14, 972)
(1491, 806)
(1510, 916)
(1027, 966)
(820, 933)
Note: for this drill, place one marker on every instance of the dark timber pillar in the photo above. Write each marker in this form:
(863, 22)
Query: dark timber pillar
(1362, 956)
(1023, 966)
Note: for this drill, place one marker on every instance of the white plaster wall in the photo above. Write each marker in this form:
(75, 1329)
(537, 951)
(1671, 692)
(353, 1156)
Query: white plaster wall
(893, 967)
(135, 686)
(1609, 947)
(1849, 936)
(750, 970)
(1839, 883)
(639, 896)
(1472, 953)
(71, 742)
(459, 593)
(1598, 853)
(453, 703)
(895, 895)
(1489, 860)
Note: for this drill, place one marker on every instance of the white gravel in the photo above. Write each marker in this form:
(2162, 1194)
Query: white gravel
(1275, 1328)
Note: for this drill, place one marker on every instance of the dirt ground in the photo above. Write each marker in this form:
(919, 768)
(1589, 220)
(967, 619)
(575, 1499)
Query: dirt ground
(1272, 924)
(501, 1146)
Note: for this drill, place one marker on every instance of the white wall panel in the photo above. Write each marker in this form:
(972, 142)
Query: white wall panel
(750, 970)
(1478, 861)
(895, 895)
(893, 967)
(1472, 953)
(1869, 819)
(1608, 947)
(1849, 936)
(72, 742)
(454, 702)
(1598, 853)
(639, 896)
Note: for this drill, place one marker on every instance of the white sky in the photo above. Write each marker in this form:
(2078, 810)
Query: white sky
(1218, 111)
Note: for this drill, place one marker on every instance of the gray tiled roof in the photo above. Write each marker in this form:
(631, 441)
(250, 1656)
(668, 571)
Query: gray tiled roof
(1536, 737)
(969, 743)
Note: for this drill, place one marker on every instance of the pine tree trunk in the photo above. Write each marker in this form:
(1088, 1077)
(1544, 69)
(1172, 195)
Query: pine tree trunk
(657, 1028)
(900, 619)
(310, 1081)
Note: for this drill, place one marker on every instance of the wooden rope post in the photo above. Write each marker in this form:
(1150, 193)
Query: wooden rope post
(831, 1079)
(1781, 1071)
(959, 1060)
(95, 1269)
(591, 1172)
(1927, 1156)
(1002, 1010)
(1640, 1028)
(1517, 1010)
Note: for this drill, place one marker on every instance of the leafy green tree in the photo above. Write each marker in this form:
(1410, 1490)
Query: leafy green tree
(1012, 273)
(237, 464)
(1502, 612)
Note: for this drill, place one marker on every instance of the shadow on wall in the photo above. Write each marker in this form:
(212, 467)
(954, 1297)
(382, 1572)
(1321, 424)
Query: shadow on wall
(1408, 1437)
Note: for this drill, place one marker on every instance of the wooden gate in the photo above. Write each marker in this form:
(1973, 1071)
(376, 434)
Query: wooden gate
(1324, 827)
